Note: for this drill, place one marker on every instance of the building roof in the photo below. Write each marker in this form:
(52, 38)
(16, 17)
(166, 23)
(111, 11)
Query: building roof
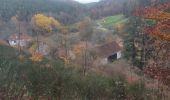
(15, 36)
(3, 42)
(108, 49)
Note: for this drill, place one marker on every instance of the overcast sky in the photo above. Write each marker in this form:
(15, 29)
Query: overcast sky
(87, 1)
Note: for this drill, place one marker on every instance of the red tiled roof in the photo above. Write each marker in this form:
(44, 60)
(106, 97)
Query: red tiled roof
(3, 42)
(15, 36)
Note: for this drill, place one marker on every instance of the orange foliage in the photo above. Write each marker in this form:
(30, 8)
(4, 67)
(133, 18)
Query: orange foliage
(156, 13)
(36, 57)
(78, 48)
(161, 30)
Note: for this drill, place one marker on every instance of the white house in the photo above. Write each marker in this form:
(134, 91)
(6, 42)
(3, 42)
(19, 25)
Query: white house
(19, 39)
(108, 52)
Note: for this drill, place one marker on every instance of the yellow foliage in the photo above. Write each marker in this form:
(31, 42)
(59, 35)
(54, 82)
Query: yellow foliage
(44, 22)
(36, 57)
(14, 20)
(66, 61)
(33, 48)
(55, 23)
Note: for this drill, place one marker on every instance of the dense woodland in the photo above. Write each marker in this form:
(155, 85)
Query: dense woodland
(60, 61)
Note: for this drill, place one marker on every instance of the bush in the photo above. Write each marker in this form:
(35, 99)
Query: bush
(51, 80)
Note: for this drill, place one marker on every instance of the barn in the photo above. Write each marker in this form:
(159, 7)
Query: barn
(108, 52)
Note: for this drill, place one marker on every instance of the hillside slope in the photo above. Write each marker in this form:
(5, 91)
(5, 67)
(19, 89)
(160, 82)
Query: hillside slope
(67, 9)
(110, 21)
(106, 8)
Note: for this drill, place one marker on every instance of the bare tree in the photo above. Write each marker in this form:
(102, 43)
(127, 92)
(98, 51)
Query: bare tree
(86, 31)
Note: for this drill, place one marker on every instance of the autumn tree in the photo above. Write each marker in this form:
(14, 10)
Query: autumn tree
(135, 38)
(65, 43)
(15, 21)
(159, 14)
(45, 24)
(86, 31)
(158, 64)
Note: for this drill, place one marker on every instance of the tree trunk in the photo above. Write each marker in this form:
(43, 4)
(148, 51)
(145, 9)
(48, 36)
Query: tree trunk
(85, 59)
(37, 40)
(19, 38)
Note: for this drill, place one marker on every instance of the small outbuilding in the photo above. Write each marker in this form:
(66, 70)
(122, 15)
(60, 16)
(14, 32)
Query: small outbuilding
(108, 52)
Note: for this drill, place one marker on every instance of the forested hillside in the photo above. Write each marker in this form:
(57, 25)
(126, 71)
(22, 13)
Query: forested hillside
(72, 50)
(67, 11)
(64, 10)
(110, 7)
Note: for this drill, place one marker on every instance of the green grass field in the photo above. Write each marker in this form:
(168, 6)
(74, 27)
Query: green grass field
(110, 21)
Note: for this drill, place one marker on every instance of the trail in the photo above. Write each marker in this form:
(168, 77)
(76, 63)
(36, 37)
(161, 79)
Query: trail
(100, 26)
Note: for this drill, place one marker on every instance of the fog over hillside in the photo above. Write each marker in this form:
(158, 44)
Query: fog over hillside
(84, 49)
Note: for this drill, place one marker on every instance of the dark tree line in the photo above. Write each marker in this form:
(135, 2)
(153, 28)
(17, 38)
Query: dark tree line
(64, 11)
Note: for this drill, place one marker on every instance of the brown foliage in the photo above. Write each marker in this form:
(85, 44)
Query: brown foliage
(161, 30)
(158, 50)
(159, 73)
